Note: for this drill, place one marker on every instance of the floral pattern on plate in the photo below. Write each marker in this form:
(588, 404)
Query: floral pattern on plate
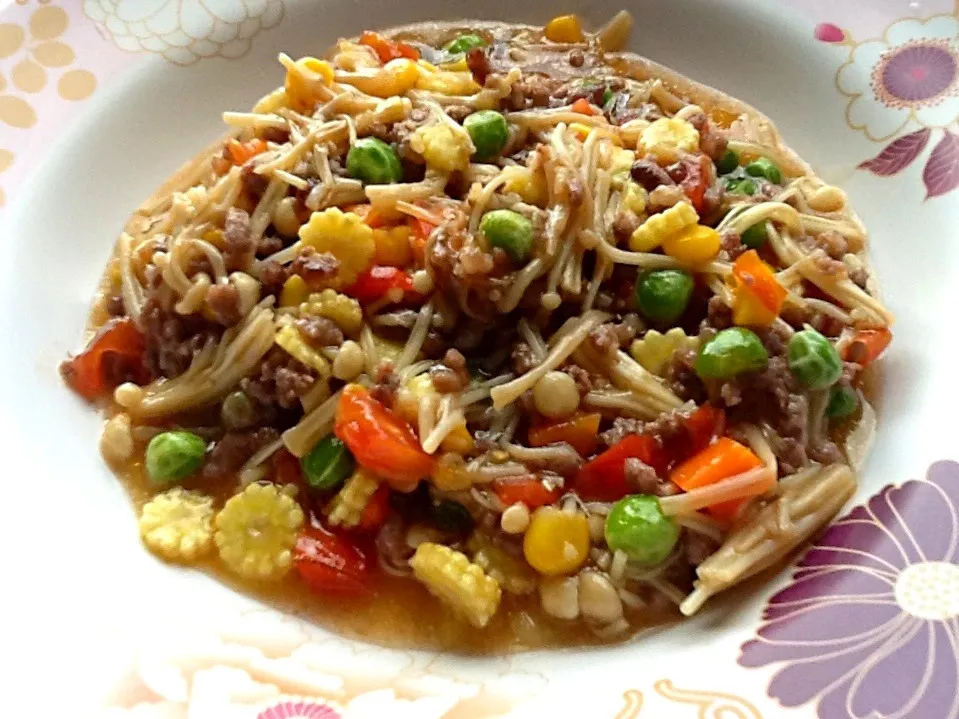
(870, 625)
(907, 78)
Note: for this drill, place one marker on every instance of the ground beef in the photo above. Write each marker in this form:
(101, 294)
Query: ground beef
(452, 375)
(171, 339)
(275, 134)
(522, 358)
(604, 339)
(269, 245)
(650, 175)
(576, 58)
(732, 246)
(832, 242)
(532, 91)
(682, 378)
(719, 316)
(581, 377)
(859, 276)
(223, 301)
(231, 452)
(254, 185)
(386, 383)
(619, 111)
(458, 113)
(238, 245)
(478, 63)
(577, 191)
(114, 306)
(643, 479)
(281, 381)
(272, 277)
(829, 266)
(320, 331)
(625, 224)
(628, 328)
(316, 268)
(697, 547)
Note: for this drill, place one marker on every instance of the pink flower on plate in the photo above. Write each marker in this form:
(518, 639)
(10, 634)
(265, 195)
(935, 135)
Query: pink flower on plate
(869, 627)
(299, 710)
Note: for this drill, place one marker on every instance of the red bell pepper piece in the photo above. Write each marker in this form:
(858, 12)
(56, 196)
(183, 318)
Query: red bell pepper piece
(376, 510)
(380, 441)
(378, 281)
(604, 478)
(387, 49)
(118, 344)
(330, 564)
(696, 181)
(528, 490)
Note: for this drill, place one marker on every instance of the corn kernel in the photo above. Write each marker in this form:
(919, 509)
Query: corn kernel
(345, 236)
(653, 232)
(393, 246)
(556, 542)
(749, 310)
(444, 149)
(529, 185)
(459, 440)
(457, 581)
(655, 350)
(621, 161)
(634, 197)
(294, 291)
(668, 136)
(344, 311)
(693, 246)
(564, 29)
(290, 339)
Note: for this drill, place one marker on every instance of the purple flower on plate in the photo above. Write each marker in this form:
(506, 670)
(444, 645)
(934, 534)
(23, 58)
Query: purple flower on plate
(869, 627)
(299, 710)
(921, 73)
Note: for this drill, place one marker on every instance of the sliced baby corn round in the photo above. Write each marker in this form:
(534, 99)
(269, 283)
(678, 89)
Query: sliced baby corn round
(178, 525)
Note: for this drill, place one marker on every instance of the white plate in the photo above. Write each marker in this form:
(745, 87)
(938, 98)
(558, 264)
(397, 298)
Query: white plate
(133, 88)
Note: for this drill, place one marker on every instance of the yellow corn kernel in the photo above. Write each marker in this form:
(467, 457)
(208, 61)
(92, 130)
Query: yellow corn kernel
(344, 311)
(668, 136)
(634, 197)
(513, 575)
(346, 508)
(693, 246)
(256, 531)
(529, 185)
(345, 236)
(457, 581)
(302, 80)
(556, 542)
(651, 234)
(395, 78)
(392, 246)
(458, 65)
(565, 29)
(290, 339)
(749, 311)
(294, 292)
(451, 474)
(443, 148)
(178, 525)
(621, 161)
(459, 440)
(655, 350)
(448, 83)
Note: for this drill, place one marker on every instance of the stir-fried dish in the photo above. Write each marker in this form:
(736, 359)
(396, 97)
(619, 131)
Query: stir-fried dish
(487, 338)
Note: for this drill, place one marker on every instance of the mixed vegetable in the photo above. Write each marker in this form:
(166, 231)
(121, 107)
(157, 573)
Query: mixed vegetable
(479, 310)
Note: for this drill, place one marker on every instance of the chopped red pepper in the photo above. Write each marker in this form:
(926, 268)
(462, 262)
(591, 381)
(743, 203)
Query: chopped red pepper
(696, 181)
(387, 49)
(376, 510)
(579, 431)
(528, 490)
(867, 346)
(378, 281)
(380, 440)
(703, 426)
(604, 478)
(115, 353)
(330, 564)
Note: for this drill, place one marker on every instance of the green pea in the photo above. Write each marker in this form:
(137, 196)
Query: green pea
(172, 456)
(464, 43)
(741, 186)
(327, 465)
(373, 162)
(764, 167)
(237, 410)
(450, 516)
(489, 132)
(843, 401)
(731, 352)
(727, 163)
(510, 231)
(813, 359)
(662, 295)
(637, 526)
(756, 236)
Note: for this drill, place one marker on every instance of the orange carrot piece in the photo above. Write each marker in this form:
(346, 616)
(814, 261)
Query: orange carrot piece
(755, 276)
(723, 458)
(580, 431)
(241, 152)
(583, 107)
(867, 345)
